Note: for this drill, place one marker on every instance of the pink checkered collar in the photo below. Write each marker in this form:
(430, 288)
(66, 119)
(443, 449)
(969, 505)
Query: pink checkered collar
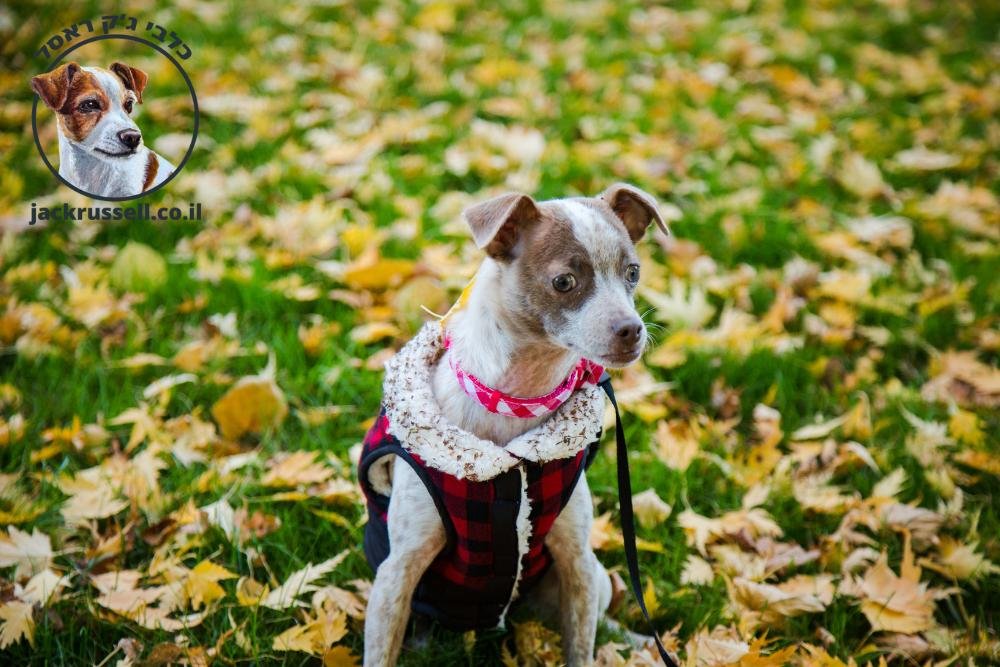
(494, 400)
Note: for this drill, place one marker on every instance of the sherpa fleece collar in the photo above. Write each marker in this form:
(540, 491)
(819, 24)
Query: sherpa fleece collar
(415, 419)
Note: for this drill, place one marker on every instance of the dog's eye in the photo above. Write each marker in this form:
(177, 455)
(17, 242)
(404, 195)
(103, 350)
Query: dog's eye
(564, 282)
(90, 105)
(128, 106)
(632, 273)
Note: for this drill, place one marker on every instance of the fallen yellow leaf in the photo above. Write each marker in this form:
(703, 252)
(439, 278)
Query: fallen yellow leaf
(252, 405)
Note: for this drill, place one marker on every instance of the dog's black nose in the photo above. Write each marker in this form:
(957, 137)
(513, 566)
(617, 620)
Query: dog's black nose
(130, 138)
(628, 330)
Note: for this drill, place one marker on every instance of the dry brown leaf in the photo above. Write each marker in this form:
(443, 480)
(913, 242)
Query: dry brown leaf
(897, 603)
(861, 177)
(697, 571)
(701, 530)
(295, 469)
(31, 553)
(961, 377)
(677, 443)
(718, 648)
(649, 508)
(300, 582)
(958, 560)
(44, 587)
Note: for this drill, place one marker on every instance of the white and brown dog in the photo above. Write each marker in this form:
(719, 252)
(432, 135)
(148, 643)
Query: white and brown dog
(100, 147)
(555, 295)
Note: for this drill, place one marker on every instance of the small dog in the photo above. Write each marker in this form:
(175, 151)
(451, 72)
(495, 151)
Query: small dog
(553, 297)
(100, 146)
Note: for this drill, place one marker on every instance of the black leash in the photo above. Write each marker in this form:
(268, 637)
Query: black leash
(628, 520)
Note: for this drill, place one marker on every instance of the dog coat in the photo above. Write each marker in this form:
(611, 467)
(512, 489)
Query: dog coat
(497, 503)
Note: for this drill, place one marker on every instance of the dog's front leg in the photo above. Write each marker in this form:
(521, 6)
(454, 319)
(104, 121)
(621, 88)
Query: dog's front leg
(579, 584)
(416, 536)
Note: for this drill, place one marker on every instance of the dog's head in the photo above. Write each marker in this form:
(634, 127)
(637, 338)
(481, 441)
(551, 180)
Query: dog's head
(95, 106)
(567, 268)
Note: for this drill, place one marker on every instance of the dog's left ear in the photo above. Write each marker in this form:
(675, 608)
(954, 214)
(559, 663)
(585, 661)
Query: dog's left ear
(635, 208)
(133, 78)
(497, 223)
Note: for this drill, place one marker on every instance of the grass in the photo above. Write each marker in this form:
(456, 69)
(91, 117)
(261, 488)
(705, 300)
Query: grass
(613, 99)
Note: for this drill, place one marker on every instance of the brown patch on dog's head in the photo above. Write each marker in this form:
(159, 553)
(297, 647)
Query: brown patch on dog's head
(86, 104)
(550, 249)
(74, 94)
(53, 87)
(133, 78)
(635, 208)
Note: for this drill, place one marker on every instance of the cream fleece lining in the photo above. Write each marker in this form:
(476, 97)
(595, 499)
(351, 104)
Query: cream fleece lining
(416, 420)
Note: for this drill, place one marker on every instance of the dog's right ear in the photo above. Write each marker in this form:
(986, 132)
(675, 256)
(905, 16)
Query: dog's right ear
(53, 87)
(497, 223)
(133, 78)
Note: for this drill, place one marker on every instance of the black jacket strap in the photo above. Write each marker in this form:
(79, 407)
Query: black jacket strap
(628, 520)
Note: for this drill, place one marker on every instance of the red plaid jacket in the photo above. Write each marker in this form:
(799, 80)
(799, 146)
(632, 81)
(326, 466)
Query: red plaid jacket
(473, 580)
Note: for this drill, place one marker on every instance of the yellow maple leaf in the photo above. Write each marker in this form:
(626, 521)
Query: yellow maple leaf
(964, 427)
(316, 636)
(201, 584)
(252, 405)
(536, 646)
(377, 274)
(985, 461)
(18, 623)
(756, 658)
(365, 334)
(250, 592)
(340, 656)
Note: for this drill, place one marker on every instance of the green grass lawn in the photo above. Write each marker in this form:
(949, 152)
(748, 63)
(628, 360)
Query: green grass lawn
(830, 170)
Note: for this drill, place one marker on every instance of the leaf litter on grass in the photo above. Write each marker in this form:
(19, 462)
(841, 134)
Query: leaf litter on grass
(813, 427)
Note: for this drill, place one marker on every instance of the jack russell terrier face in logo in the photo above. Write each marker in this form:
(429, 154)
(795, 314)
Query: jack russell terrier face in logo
(101, 149)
